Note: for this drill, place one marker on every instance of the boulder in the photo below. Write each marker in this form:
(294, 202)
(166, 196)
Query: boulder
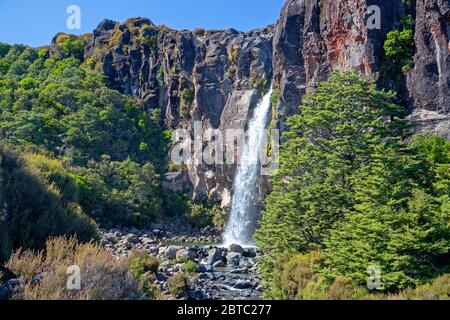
(171, 252)
(201, 269)
(148, 241)
(214, 255)
(233, 258)
(185, 254)
(160, 277)
(243, 284)
(236, 248)
(219, 264)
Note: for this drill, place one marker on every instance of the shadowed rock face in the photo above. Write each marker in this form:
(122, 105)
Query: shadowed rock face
(218, 76)
(429, 81)
(158, 64)
(314, 37)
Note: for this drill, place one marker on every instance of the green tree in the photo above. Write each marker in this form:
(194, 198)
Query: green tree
(398, 224)
(4, 49)
(336, 133)
(61, 108)
(399, 46)
(33, 208)
(123, 193)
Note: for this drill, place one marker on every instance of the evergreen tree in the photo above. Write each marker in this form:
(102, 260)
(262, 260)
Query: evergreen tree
(398, 224)
(338, 128)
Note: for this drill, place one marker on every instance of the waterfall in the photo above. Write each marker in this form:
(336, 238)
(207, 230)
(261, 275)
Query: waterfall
(241, 224)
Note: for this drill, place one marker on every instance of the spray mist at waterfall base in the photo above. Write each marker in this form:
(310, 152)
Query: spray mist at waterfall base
(242, 222)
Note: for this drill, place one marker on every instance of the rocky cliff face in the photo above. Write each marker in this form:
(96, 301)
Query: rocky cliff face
(217, 77)
(429, 82)
(314, 37)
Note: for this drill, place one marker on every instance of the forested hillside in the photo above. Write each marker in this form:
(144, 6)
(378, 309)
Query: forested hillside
(93, 148)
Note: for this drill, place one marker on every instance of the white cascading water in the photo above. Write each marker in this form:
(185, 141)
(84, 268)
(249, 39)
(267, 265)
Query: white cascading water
(240, 227)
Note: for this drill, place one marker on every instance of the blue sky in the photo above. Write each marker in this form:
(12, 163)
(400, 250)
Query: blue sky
(36, 22)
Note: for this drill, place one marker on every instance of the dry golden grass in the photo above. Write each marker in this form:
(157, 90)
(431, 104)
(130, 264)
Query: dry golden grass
(102, 276)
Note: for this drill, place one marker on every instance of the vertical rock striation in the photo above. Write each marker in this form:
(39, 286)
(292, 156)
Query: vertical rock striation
(429, 81)
(314, 37)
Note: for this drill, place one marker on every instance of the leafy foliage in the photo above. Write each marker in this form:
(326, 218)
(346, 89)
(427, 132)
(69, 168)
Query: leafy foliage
(71, 46)
(352, 189)
(36, 204)
(179, 284)
(142, 264)
(296, 278)
(399, 46)
(111, 152)
(399, 224)
(335, 134)
(124, 193)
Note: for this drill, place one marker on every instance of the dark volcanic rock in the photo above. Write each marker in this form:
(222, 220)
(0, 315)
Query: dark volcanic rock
(429, 82)
(214, 255)
(314, 37)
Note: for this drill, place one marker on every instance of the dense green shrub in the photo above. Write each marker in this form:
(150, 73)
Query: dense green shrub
(71, 46)
(294, 275)
(35, 207)
(199, 215)
(399, 47)
(4, 49)
(68, 109)
(150, 289)
(439, 289)
(4, 67)
(143, 263)
(55, 173)
(121, 193)
(175, 205)
(179, 284)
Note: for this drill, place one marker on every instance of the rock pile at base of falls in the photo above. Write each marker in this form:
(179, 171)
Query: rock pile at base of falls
(223, 273)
